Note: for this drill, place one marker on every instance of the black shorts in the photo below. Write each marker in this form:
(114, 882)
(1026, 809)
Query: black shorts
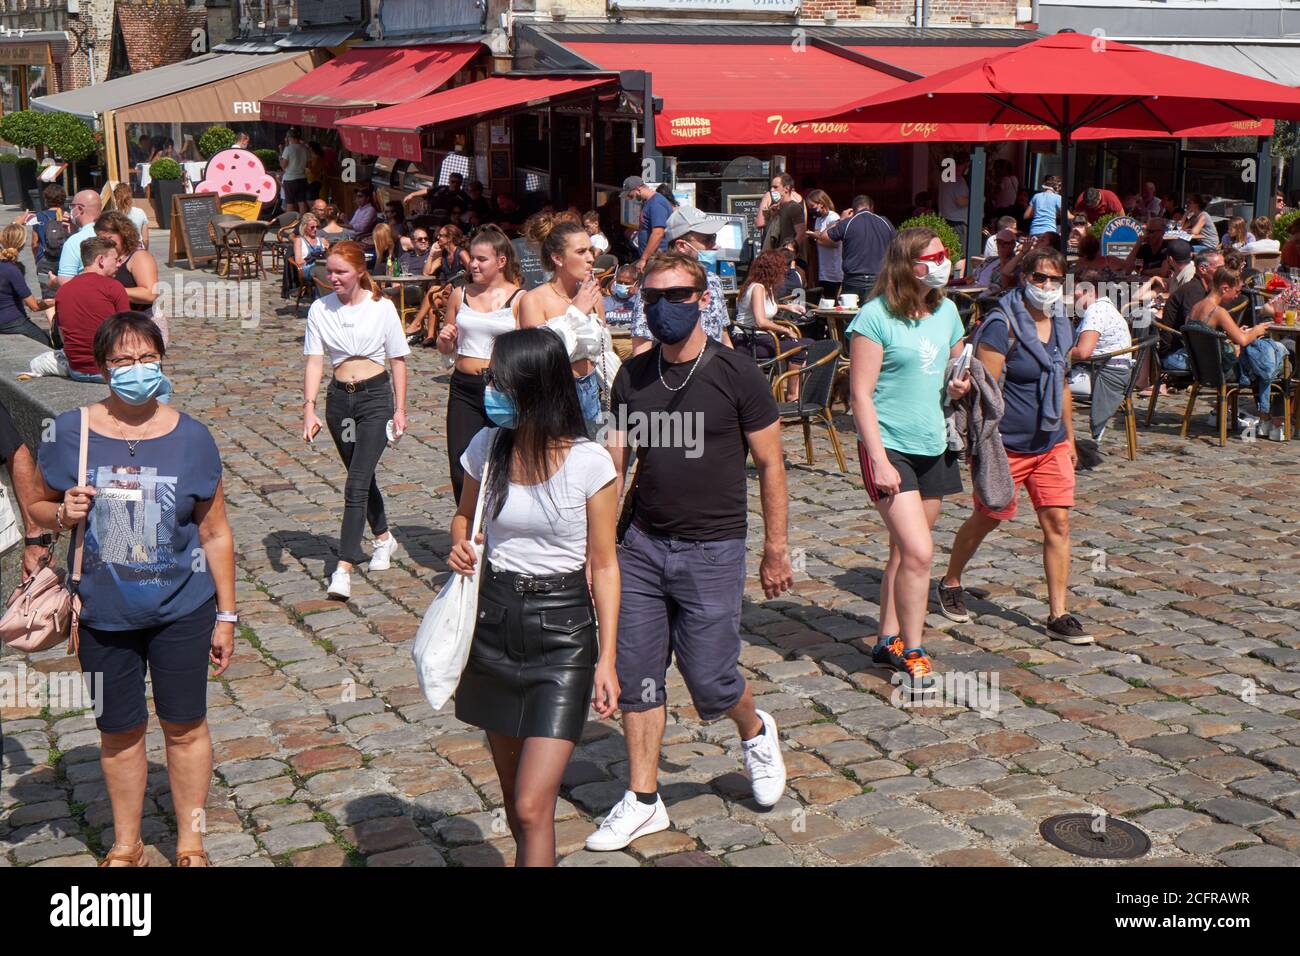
(934, 476)
(295, 190)
(176, 657)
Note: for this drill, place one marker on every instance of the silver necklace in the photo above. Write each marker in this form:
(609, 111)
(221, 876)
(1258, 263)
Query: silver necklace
(659, 352)
(131, 446)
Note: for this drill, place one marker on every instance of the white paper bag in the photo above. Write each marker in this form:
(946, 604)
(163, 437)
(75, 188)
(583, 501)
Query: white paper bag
(442, 643)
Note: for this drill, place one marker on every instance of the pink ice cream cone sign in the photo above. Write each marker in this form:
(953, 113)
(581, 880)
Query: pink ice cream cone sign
(238, 171)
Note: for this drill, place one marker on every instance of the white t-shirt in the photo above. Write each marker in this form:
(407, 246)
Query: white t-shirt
(949, 193)
(599, 242)
(139, 218)
(296, 157)
(1112, 331)
(1262, 245)
(830, 259)
(542, 529)
(991, 246)
(370, 330)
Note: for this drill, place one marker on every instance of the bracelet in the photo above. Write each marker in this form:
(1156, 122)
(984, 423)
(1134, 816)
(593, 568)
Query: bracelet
(58, 517)
(229, 617)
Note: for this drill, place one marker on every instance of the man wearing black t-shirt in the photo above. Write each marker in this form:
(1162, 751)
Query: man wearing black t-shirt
(694, 409)
(1150, 255)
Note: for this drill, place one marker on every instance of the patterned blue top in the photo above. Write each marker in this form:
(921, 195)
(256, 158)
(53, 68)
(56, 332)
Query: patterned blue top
(143, 564)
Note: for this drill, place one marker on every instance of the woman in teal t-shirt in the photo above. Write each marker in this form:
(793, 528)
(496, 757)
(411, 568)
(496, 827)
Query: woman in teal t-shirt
(901, 343)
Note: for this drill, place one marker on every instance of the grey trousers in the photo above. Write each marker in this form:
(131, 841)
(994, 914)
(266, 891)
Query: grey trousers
(1108, 386)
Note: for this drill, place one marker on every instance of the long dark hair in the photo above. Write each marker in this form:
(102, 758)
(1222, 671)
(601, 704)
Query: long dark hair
(532, 367)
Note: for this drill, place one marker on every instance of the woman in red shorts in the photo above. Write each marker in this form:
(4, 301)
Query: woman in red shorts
(1029, 335)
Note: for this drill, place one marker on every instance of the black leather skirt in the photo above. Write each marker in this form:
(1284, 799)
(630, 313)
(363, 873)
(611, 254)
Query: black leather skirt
(533, 658)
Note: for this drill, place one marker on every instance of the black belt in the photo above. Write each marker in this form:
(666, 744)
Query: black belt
(539, 583)
(365, 385)
(860, 276)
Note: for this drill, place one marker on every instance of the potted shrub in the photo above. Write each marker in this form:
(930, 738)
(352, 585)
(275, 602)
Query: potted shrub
(947, 235)
(11, 188)
(1282, 226)
(68, 138)
(23, 128)
(165, 182)
(215, 139)
(26, 175)
(270, 159)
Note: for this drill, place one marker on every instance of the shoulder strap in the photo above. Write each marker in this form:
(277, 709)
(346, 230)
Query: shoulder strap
(80, 531)
(477, 524)
(514, 295)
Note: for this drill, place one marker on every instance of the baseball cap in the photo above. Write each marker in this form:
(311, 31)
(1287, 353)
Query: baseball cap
(629, 184)
(686, 219)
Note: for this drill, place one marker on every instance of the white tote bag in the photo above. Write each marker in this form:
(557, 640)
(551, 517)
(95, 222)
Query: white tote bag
(11, 529)
(447, 630)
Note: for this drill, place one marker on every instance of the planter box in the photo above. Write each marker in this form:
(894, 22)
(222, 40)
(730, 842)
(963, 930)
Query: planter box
(161, 192)
(11, 185)
(30, 184)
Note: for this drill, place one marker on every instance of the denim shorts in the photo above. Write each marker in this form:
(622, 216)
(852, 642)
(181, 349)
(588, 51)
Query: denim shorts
(175, 656)
(680, 598)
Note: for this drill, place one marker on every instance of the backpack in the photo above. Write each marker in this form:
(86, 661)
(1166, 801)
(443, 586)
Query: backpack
(57, 232)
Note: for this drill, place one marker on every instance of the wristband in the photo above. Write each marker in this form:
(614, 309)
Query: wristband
(228, 617)
(40, 540)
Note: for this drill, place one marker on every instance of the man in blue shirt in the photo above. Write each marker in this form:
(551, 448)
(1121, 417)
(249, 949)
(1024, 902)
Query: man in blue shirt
(651, 236)
(864, 237)
(85, 210)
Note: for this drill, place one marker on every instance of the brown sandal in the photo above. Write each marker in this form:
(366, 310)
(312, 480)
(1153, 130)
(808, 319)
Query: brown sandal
(132, 855)
(187, 857)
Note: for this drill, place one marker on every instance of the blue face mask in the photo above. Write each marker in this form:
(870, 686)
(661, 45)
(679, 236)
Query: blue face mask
(136, 384)
(589, 396)
(672, 322)
(709, 259)
(501, 409)
(622, 291)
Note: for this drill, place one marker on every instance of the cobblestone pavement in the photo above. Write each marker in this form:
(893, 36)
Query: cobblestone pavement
(1182, 718)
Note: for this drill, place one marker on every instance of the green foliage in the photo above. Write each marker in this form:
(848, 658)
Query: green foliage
(68, 137)
(937, 224)
(1098, 227)
(269, 157)
(24, 128)
(1286, 138)
(1282, 225)
(164, 168)
(8, 157)
(215, 139)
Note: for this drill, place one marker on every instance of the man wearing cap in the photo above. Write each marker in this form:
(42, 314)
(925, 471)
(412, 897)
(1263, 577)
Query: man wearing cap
(694, 234)
(864, 237)
(655, 210)
(1094, 203)
(1180, 269)
(1000, 270)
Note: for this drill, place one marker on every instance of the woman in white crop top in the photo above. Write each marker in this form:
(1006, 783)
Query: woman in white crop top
(476, 315)
(360, 331)
(540, 647)
(572, 306)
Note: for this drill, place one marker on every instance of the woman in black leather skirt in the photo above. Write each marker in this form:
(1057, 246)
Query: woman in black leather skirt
(548, 519)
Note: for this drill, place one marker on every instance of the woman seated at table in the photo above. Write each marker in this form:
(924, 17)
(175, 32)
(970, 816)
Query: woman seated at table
(333, 227)
(309, 246)
(1078, 229)
(1101, 331)
(1262, 229)
(385, 249)
(448, 256)
(1238, 237)
(1201, 231)
(756, 308)
(1249, 355)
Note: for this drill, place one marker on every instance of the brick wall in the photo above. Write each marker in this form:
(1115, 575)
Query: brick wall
(158, 38)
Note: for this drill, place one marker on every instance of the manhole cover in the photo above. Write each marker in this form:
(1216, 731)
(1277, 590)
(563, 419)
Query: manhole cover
(1096, 837)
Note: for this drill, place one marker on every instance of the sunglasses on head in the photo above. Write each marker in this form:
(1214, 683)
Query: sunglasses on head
(935, 257)
(675, 294)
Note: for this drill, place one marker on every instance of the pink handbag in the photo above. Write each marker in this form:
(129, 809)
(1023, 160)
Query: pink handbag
(41, 612)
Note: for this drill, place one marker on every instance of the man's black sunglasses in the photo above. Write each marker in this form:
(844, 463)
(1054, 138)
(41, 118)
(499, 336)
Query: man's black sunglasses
(676, 294)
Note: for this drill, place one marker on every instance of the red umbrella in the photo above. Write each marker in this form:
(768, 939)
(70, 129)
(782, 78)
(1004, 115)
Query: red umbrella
(1072, 81)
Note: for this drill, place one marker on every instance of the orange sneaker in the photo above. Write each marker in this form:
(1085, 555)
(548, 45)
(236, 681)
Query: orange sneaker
(916, 663)
(889, 650)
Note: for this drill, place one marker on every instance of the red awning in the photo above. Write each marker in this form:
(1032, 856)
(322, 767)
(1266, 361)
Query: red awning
(395, 131)
(762, 93)
(363, 79)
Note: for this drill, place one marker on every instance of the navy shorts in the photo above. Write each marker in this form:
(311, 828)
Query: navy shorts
(680, 597)
(176, 658)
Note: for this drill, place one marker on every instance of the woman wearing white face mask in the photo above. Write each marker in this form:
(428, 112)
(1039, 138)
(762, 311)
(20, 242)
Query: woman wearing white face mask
(901, 342)
(1028, 335)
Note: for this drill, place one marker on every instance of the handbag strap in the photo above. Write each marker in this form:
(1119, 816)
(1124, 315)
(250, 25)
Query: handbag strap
(478, 505)
(79, 533)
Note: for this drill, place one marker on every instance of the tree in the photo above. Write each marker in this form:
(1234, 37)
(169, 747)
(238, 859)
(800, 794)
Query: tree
(1286, 141)
(68, 138)
(23, 128)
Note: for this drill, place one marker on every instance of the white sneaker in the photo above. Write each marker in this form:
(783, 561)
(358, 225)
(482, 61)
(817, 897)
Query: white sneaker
(628, 820)
(765, 764)
(1276, 433)
(340, 585)
(382, 556)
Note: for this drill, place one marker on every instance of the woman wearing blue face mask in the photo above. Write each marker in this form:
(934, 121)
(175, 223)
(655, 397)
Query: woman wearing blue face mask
(548, 526)
(571, 306)
(158, 576)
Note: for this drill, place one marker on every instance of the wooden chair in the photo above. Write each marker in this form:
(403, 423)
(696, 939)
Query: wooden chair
(217, 233)
(244, 242)
(1164, 377)
(1127, 407)
(280, 238)
(817, 379)
(1264, 261)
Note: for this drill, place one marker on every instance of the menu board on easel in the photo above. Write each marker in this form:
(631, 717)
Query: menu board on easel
(190, 239)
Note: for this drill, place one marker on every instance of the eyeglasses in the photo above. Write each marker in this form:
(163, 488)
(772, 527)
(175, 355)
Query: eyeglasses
(675, 294)
(1042, 278)
(419, 238)
(935, 257)
(126, 361)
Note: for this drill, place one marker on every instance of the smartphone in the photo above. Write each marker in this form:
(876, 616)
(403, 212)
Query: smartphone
(394, 436)
(314, 432)
(963, 361)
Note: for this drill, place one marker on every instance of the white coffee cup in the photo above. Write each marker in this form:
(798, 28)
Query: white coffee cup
(849, 301)
(826, 304)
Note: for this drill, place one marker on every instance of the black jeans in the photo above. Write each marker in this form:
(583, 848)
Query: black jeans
(859, 285)
(465, 418)
(357, 421)
(28, 328)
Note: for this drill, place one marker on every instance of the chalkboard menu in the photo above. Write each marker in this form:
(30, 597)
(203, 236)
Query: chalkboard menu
(746, 205)
(530, 263)
(190, 239)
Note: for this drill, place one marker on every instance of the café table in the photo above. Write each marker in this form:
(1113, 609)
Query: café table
(402, 283)
(621, 338)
